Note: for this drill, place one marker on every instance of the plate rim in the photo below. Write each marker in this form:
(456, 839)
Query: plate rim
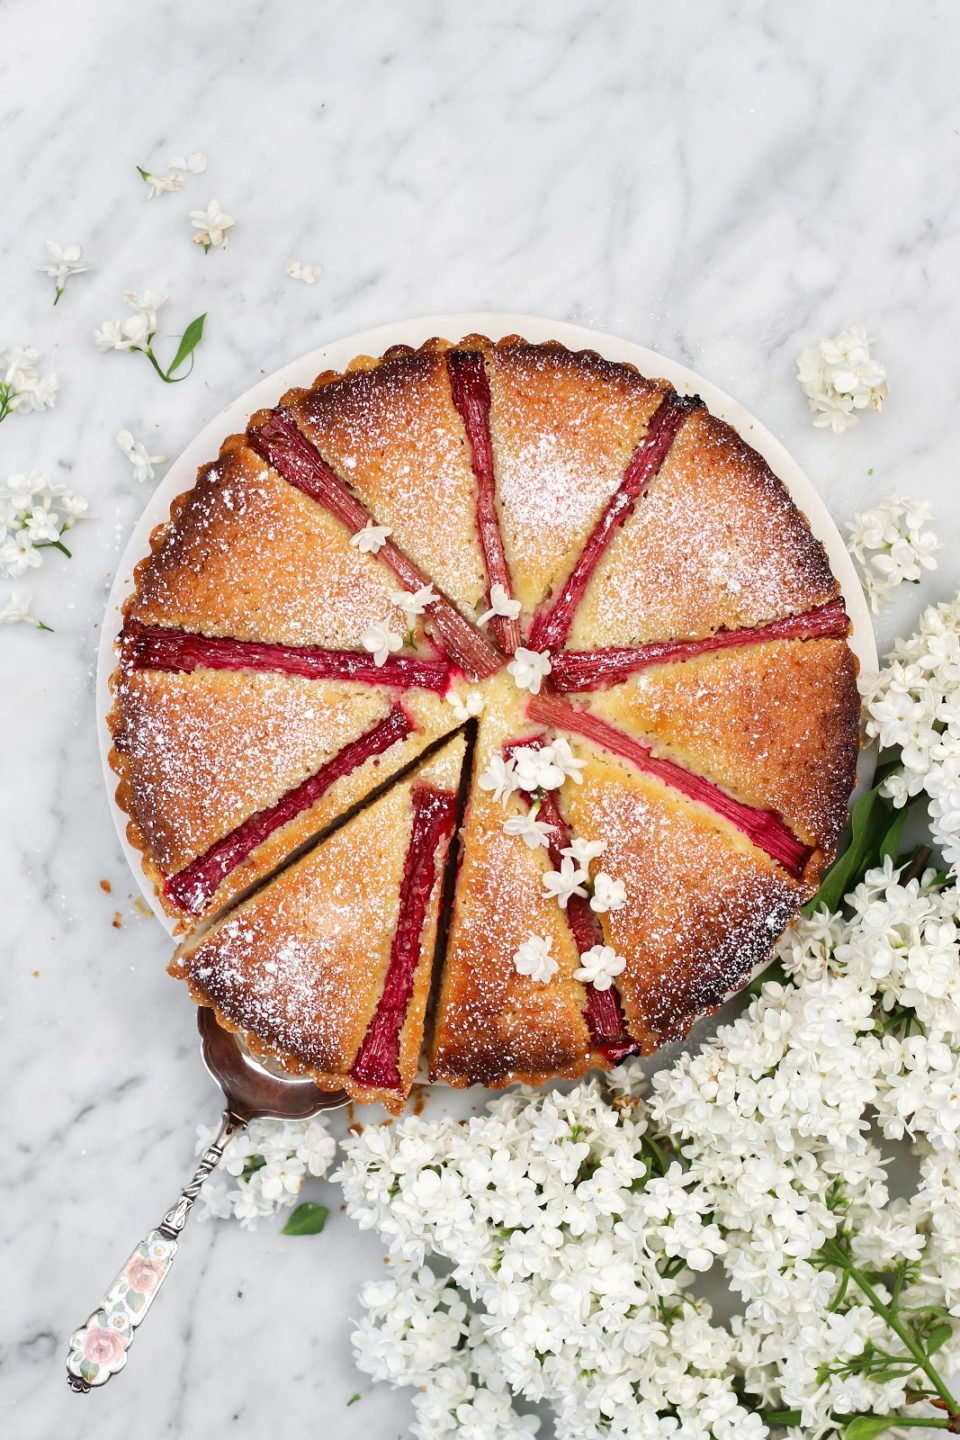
(336, 355)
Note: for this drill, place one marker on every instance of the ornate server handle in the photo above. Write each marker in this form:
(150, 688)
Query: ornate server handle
(99, 1348)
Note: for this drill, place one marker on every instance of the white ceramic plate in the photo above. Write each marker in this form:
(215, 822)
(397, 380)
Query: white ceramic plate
(336, 356)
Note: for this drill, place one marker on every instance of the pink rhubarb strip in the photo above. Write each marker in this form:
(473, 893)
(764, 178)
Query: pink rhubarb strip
(193, 887)
(593, 669)
(294, 457)
(378, 1060)
(470, 388)
(767, 829)
(551, 624)
(154, 648)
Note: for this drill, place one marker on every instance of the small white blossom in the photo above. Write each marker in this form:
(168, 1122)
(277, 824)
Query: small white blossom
(599, 967)
(500, 604)
(583, 851)
(212, 226)
(533, 832)
(160, 184)
(561, 884)
(892, 546)
(536, 769)
(529, 668)
(839, 377)
(15, 610)
(136, 452)
(193, 164)
(565, 760)
(499, 777)
(465, 707)
(608, 894)
(381, 641)
(371, 538)
(533, 959)
(34, 515)
(22, 387)
(413, 604)
(135, 331)
(65, 260)
(309, 274)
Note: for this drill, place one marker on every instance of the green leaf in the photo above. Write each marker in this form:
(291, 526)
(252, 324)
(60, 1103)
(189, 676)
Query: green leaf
(307, 1219)
(937, 1336)
(251, 1165)
(189, 341)
(890, 844)
(869, 828)
(353, 1399)
(865, 1427)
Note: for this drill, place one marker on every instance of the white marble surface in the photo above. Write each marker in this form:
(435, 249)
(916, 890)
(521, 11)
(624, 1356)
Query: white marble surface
(723, 183)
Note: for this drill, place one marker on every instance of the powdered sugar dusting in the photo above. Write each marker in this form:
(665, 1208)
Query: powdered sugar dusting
(208, 749)
(716, 541)
(702, 908)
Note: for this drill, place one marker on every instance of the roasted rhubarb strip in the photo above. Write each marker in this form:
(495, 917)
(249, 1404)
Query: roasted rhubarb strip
(193, 887)
(300, 463)
(155, 648)
(767, 829)
(551, 624)
(602, 1012)
(470, 388)
(378, 1060)
(594, 669)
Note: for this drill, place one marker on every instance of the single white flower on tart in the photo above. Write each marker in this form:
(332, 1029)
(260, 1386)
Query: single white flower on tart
(608, 894)
(564, 758)
(533, 832)
(413, 604)
(370, 539)
(536, 769)
(583, 851)
(529, 668)
(381, 641)
(533, 958)
(500, 604)
(599, 967)
(465, 707)
(568, 880)
(499, 777)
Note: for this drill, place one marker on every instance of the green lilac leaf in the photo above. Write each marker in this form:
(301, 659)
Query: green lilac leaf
(189, 341)
(865, 1427)
(869, 827)
(307, 1219)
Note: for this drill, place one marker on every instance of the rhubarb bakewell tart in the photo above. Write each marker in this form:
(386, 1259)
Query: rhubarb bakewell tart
(488, 692)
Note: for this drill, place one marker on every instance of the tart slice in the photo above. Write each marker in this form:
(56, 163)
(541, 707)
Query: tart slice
(774, 723)
(392, 433)
(714, 543)
(247, 555)
(327, 968)
(224, 772)
(494, 1025)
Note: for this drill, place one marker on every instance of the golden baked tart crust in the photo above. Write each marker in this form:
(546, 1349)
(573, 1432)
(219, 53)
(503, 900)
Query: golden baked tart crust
(313, 686)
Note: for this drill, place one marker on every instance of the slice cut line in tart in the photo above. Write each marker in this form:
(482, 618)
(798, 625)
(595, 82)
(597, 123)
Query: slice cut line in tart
(328, 966)
(331, 611)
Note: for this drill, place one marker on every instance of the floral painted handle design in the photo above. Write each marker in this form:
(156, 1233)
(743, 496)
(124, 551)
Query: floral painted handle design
(99, 1348)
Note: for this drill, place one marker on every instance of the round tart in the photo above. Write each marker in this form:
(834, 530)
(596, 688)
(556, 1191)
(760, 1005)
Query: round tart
(492, 671)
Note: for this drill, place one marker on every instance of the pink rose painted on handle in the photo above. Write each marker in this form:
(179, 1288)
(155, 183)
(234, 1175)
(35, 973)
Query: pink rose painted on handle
(144, 1275)
(103, 1347)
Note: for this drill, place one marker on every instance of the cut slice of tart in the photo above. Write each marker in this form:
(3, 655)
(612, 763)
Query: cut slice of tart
(493, 1025)
(225, 772)
(393, 434)
(327, 967)
(249, 556)
(703, 906)
(773, 723)
(715, 542)
(564, 425)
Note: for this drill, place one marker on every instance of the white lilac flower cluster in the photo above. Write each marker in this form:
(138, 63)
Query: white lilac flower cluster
(570, 1228)
(839, 376)
(913, 705)
(263, 1168)
(34, 516)
(892, 546)
(22, 387)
